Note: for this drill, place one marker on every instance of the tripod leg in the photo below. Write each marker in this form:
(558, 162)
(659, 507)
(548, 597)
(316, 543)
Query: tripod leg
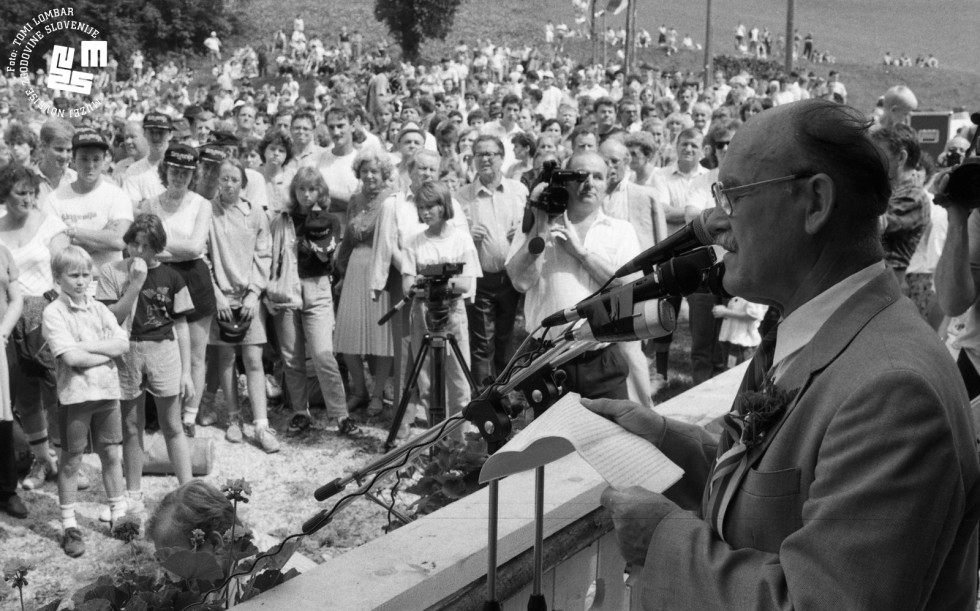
(407, 393)
(462, 362)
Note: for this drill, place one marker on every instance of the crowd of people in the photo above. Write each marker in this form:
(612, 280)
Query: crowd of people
(178, 241)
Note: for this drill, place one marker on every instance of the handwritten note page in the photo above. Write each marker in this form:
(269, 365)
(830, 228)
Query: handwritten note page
(620, 457)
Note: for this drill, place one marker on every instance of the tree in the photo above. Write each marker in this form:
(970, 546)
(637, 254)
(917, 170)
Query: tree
(155, 26)
(411, 22)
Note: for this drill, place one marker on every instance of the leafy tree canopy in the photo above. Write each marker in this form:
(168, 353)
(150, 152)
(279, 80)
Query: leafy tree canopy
(157, 27)
(411, 22)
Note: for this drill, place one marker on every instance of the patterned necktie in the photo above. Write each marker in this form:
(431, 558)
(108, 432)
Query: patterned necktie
(730, 466)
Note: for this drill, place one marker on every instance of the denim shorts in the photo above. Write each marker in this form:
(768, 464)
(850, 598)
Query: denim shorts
(151, 366)
(100, 418)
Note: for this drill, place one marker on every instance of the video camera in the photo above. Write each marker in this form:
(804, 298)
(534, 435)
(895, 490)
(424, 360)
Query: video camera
(439, 295)
(554, 199)
(964, 179)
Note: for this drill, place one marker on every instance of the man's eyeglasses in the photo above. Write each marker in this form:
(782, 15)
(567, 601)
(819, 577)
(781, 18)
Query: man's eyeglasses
(486, 155)
(725, 198)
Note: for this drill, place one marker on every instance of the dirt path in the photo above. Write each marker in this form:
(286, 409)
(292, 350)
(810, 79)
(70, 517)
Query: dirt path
(282, 499)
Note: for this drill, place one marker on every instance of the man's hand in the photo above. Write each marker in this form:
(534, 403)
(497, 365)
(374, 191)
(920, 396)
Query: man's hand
(719, 311)
(137, 271)
(569, 240)
(479, 233)
(636, 513)
(631, 416)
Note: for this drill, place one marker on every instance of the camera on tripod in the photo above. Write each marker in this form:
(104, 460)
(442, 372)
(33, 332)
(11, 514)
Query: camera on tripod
(554, 199)
(439, 293)
(963, 187)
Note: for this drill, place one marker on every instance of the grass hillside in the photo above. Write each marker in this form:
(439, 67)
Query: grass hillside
(858, 32)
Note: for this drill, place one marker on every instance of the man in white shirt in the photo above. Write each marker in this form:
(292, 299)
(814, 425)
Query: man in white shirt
(638, 206)
(684, 188)
(302, 127)
(506, 126)
(142, 181)
(494, 206)
(337, 164)
(96, 211)
(582, 249)
(56, 137)
(551, 96)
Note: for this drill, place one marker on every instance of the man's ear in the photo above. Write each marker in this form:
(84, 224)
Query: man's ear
(820, 196)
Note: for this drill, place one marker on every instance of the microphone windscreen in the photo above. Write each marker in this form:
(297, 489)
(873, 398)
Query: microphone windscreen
(700, 227)
(535, 245)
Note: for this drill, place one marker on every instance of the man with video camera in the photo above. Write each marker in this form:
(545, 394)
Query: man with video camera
(574, 252)
(958, 277)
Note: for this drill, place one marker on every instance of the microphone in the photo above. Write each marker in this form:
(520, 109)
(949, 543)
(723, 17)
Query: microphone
(693, 235)
(676, 277)
(648, 320)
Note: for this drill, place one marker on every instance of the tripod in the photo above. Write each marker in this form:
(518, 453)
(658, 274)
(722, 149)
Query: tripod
(434, 341)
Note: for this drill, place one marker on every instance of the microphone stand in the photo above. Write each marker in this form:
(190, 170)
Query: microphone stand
(541, 383)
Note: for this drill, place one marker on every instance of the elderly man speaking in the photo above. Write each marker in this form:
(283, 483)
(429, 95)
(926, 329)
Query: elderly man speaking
(846, 476)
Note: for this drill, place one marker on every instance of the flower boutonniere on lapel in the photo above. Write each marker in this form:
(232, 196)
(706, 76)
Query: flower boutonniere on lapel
(758, 411)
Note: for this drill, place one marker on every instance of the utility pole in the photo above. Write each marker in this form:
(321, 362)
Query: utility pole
(595, 42)
(788, 67)
(604, 43)
(630, 36)
(707, 49)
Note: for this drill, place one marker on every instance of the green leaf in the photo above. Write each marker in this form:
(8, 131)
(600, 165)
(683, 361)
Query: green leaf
(194, 566)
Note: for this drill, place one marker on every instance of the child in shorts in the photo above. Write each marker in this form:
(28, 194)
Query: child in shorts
(151, 300)
(84, 338)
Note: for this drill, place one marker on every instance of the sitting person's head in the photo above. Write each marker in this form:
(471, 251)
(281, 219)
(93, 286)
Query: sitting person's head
(196, 505)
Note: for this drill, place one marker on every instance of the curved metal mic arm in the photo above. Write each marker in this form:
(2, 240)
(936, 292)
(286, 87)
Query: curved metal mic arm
(533, 371)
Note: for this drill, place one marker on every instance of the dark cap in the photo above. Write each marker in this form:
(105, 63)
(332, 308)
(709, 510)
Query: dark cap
(212, 153)
(194, 111)
(157, 120)
(88, 138)
(181, 156)
(223, 138)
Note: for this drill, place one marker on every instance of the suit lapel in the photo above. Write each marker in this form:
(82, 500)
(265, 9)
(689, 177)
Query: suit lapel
(832, 338)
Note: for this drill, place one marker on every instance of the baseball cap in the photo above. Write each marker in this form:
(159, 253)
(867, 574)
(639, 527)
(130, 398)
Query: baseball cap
(212, 153)
(409, 128)
(88, 138)
(225, 138)
(157, 120)
(181, 156)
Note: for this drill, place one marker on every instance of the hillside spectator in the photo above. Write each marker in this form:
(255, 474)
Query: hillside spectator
(55, 155)
(186, 218)
(494, 206)
(29, 237)
(358, 335)
(905, 220)
(239, 248)
(304, 317)
(97, 213)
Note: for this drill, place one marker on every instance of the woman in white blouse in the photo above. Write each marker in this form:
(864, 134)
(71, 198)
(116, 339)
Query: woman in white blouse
(32, 237)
